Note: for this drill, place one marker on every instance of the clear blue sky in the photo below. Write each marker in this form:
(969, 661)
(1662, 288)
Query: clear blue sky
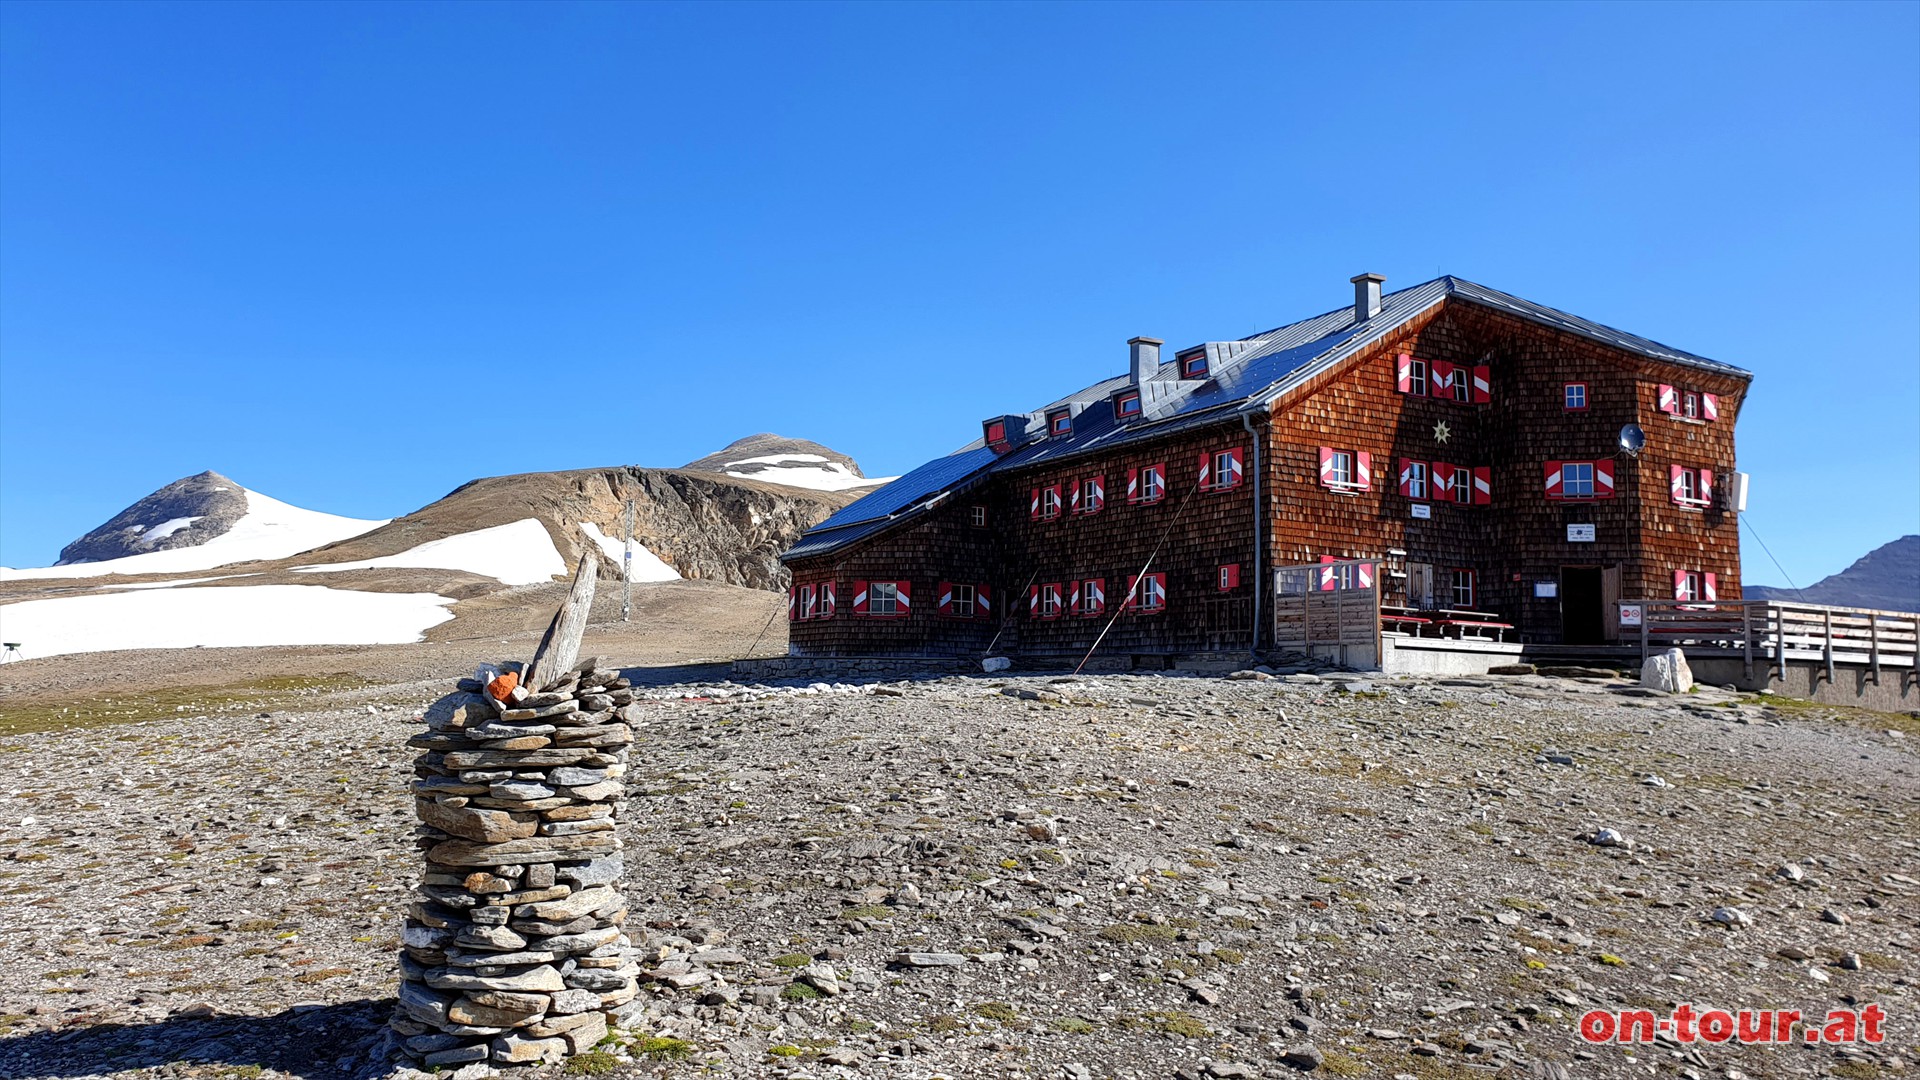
(354, 255)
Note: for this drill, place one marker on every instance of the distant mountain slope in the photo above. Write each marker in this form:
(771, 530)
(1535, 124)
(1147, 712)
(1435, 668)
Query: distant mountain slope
(197, 523)
(776, 459)
(1886, 578)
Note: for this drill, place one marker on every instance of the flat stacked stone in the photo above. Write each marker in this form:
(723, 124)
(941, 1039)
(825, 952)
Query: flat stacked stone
(513, 948)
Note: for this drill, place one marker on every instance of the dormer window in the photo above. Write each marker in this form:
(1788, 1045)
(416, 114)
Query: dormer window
(1127, 405)
(1194, 365)
(1060, 422)
(996, 432)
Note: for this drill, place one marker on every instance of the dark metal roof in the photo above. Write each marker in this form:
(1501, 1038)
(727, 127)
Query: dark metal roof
(1247, 375)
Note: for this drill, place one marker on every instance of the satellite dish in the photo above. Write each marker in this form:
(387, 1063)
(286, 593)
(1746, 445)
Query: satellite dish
(1632, 440)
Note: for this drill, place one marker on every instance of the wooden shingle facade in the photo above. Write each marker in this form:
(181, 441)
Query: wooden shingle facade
(1465, 443)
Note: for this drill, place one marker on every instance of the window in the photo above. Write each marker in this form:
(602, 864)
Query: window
(1050, 606)
(1683, 404)
(1690, 405)
(1089, 495)
(1147, 595)
(960, 601)
(1576, 480)
(823, 600)
(1463, 485)
(1220, 470)
(997, 432)
(882, 599)
(1576, 397)
(1090, 597)
(1580, 479)
(1043, 504)
(806, 602)
(1696, 585)
(1339, 469)
(1462, 386)
(1689, 486)
(1229, 577)
(1146, 484)
(1194, 365)
(1418, 378)
(1462, 588)
(1060, 422)
(1127, 405)
(978, 516)
(1413, 479)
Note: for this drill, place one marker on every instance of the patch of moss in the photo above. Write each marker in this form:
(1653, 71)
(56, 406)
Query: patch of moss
(792, 960)
(1128, 933)
(592, 1063)
(784, 1051)
(1072, 1025)
(664, 1048)
(800, 992)
(998, 1011)
(253, 695)
(868, 912)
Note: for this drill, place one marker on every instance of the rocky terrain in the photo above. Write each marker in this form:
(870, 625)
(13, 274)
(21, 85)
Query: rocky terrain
(1121, 876)
(1886, 579)
(778, 459)
(185, 513)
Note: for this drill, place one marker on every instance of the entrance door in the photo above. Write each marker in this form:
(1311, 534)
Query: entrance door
(1582, 606)
(1420, 585)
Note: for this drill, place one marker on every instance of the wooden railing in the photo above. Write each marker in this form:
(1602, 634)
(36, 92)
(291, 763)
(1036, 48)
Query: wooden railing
(1772, 633)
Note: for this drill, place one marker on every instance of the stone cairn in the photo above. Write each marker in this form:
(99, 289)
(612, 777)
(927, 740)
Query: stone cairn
(514, 948)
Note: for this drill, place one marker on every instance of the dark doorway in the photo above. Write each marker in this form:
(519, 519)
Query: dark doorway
(1582, 606)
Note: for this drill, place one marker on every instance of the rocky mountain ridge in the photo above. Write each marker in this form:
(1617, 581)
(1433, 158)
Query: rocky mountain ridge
(1884, 579)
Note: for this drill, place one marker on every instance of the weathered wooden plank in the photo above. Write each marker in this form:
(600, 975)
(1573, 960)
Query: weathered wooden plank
(560, 645)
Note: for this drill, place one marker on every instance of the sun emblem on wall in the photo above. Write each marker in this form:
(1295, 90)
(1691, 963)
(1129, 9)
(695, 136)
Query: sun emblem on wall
(1441, 432)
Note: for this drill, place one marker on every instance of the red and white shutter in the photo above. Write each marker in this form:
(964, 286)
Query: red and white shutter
(1033, 505)
(1668, 400)
(1133, 593)
(1442, 378)
(1706, 487)
(1555, 482)
(1033, 601)
(1073, 594)
(1327, 581)
(1097, 495)
(1206, 470)
(1441, 475)
(1096, 596)
(1133, 485)
(1326, 466)
(1231, 478)
(827, 600)
(1230, 577)
(793, 603)
(1482, 385)
(904, 589)
(1156, 591)
(860, 598)
(945, 594)
(1406, 476)
(982, 602)
(1364, 574)
(1712, 585)
(1055, 489)
(1403, 377)
(1603, 479)
(1073, 497)
(1680, 585)
(1363, 469)
(1482, 485)
(1677, 482)
(1710, 406)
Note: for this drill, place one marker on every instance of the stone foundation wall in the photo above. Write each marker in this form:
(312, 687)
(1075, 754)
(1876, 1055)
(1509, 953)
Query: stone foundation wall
(513, 947)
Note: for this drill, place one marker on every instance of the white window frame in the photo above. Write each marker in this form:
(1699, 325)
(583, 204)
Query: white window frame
(1092, 494)
(1087, 606)
(978, 516)
(1342, 474)
(1153, 483)
(1690, 585)
(1417, 377)
(1222, 459)
(1050, 601)
(1569, 396)
(960, 604)
(1455, 587)
(1690, 487)
(883, 598)
(1463, 485)
(1144, 593)
(807, 602)
(1050, 502)
(1416, 479)
(1567, 481)
(1463, 385)
(1690, 404)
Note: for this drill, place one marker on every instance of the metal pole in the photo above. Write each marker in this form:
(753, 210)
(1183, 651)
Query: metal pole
(626, 570)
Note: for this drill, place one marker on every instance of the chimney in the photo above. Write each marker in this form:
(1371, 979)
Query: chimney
(1366, 296)
(1144, 352)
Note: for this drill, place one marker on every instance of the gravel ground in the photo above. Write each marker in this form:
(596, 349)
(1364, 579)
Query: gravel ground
(1127, 876)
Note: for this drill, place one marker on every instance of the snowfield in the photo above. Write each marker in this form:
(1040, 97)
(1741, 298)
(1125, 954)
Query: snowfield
(517, 554)
(220, 616)
(646, 565)
(804, 471)
(270, 529)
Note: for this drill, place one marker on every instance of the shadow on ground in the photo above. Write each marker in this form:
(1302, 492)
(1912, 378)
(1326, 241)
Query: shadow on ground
(312, 1042)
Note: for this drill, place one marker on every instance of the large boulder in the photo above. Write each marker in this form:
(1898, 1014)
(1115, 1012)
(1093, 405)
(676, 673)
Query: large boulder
(1667, 671)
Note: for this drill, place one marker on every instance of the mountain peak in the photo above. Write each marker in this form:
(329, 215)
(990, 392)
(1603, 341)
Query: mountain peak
(777, 459)
(186, 513)
(1884, 579)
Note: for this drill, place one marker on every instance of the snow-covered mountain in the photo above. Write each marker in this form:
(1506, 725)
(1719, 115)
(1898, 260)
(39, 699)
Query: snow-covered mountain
(197, 523)
(776, 459)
